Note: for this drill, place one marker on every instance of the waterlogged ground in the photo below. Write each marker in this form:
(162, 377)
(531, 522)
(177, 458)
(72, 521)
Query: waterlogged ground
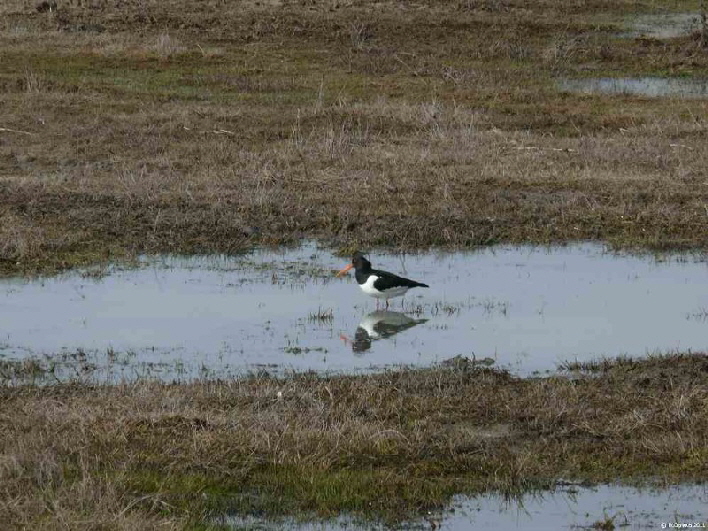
(568, 507)
(528, 309)
(226, 138)
(653, 27)
(661, 26)
(639, 86)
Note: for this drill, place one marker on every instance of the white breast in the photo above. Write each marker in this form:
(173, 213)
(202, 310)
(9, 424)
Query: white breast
(368, 288)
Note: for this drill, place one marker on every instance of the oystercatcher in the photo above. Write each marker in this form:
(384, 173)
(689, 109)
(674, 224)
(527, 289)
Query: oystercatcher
(378, 284)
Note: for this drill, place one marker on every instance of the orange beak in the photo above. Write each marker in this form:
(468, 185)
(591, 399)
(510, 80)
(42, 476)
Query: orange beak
(344, 271)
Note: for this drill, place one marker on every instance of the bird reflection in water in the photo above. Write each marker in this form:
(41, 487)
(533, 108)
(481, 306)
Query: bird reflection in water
(378, 325)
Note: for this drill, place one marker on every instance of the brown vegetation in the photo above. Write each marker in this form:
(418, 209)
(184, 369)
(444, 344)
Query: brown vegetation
(390, 445)
(209, 126)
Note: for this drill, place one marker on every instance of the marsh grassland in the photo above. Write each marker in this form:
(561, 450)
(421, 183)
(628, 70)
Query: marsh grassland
(207, 126)
(158, 126)
(388, 446)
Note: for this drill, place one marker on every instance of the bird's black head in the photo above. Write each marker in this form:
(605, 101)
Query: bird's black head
(360, 263)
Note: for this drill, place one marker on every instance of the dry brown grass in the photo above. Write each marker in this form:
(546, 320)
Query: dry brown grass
(389, 445)
(202, 127)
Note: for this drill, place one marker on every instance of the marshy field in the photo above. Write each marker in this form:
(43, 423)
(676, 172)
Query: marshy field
(136, 131)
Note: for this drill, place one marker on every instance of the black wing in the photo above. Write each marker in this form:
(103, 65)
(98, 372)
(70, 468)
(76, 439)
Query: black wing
(388, 280)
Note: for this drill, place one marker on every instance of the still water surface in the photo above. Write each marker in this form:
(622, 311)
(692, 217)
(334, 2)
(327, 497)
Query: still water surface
(525, 308)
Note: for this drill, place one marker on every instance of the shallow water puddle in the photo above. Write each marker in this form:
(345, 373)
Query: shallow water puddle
(603, 507)
(638, 86)
(662, 26)
(525, 308)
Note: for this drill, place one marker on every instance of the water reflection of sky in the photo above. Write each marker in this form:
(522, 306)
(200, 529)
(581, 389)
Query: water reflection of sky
(527, 308)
